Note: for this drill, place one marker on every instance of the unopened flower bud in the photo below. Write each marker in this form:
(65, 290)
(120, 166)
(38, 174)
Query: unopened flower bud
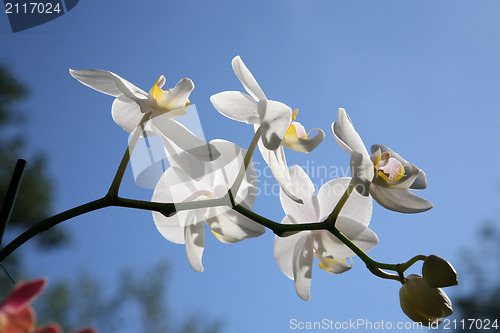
(439, 273)
(422, 303)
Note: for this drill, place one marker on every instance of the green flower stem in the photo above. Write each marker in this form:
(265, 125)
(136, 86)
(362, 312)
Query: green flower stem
(169, 208)
(372, 265)
(278, 228)
(52, 221)
(10, 196)
(287, 229)
(233, 191)
(115, 185)
(369, 262)
(107, 201)
(332, 218)
(409, 263)
(380, 273)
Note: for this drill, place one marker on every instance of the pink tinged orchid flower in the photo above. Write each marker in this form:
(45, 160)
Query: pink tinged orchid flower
(16, 314)
(294, 254)
(132, 103)
(276, 120)
(200, 181)
(383, 173)
(55, 328)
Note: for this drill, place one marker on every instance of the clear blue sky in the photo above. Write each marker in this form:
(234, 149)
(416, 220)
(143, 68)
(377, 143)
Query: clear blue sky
(422, 77)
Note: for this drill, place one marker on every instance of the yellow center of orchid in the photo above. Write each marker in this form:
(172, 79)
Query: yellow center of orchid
(334, 266)
(387, 167)
(164, 100)
(294, 132)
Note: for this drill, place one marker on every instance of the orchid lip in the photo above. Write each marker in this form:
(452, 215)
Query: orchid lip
(387, 167)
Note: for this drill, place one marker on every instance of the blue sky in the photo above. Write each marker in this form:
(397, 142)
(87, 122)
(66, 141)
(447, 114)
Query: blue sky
(420, 77)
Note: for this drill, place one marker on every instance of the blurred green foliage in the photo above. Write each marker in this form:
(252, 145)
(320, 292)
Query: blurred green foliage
(35, 193)
(480, 297)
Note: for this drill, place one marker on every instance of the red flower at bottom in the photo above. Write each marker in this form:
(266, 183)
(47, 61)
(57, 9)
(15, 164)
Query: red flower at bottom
(16, 314)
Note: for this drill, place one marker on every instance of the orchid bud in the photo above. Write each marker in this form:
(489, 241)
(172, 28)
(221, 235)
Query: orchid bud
(438, 273)
(422, 303)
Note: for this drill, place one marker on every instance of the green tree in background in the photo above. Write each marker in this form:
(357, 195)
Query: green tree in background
(81, 301)
(35, 193)
(481, 301)
(136, 304)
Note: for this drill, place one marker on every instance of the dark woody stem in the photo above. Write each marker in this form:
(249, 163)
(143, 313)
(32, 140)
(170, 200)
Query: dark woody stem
(332, 218)
(52, 221)
(106, 201)
(111, 199)
(115, 185)
(246, 162)
(10, 196)
(403, 267)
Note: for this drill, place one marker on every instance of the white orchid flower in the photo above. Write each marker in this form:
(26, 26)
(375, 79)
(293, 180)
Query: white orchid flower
(276, 120)
(132, 103)
(294, 254)
(383, 174)
(186, 226)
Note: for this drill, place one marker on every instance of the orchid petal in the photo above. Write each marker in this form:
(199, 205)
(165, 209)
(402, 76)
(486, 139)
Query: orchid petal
(308, 211)
(329, 246)
(161, 81)
(237, 106)
(176, 97)
(404, 183)
(195, 244)
(335, 266)
(420, 182)
(22, 321)
(175, 186)
(126, 113)
(275, 118)
(248, 189)
(284, 249)
(182, 160)
(399, 200)
(362, 172)
(246, 78)
(303, 145)
(279, 169)
(413, 178)
(108, 83)
(229, 223)
(185, 139)
(345, 134)
(22, 295)
(226, 239)
(172, 228)
(357, 207)
(302, 266)
(227, 167)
